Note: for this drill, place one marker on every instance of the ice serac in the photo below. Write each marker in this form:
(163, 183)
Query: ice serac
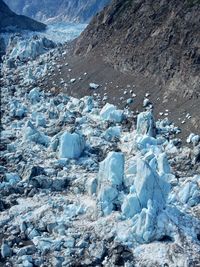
(71, 145)
(190, 192)
(34, 96)
(145, 224)
(33, 135)
(110, 180)
(149, 186)
(110, 113)
(131, 205)
(145, 204)
(28, 48)
(163, 164)
(146, 124)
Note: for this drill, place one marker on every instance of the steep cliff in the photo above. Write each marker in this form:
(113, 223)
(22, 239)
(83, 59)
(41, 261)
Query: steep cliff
(158, 39)
(10, 21)
(60, 10)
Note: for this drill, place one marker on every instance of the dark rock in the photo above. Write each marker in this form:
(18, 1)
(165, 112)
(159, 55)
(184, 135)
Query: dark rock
(140, 38)
(10, 19)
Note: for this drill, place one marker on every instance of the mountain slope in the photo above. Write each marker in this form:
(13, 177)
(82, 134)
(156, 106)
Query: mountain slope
(12, 21)
(152, 39)
(61, 10)
(156, 38)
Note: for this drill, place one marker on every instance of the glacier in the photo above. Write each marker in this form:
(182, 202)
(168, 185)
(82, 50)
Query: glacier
(76, 180)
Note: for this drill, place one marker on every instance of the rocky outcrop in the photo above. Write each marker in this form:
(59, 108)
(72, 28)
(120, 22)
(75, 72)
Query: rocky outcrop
(158, 39)
(63, 10)
(11, 21)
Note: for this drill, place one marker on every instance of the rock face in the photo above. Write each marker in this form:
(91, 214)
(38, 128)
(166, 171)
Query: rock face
(157, 39)
(11, 21)
(62, 10)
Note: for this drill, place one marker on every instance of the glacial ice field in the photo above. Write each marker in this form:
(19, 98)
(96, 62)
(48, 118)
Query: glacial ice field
(78, 187)
(62, 32)
(57, 32)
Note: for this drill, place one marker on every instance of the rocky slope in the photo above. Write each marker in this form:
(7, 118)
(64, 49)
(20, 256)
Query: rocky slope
(157, 40)
(11, 21)
(62, 10)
